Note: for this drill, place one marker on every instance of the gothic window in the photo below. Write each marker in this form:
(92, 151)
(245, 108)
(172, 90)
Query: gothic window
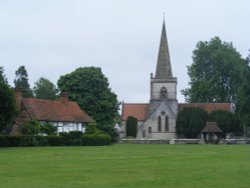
(166, 124)
(163, 93)
(149, 129)
(159, 124)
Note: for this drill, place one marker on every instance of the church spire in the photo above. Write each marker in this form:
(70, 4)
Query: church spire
(163, 69)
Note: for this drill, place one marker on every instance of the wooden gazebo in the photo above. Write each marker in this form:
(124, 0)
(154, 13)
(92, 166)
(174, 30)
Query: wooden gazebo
(210, 133)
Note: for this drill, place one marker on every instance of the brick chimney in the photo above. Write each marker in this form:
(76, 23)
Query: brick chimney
(19, 98)
(64, 98)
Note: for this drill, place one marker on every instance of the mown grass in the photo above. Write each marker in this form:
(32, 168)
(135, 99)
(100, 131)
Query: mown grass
(130, 166)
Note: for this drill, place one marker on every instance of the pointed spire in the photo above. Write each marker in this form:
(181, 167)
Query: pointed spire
(163, 69)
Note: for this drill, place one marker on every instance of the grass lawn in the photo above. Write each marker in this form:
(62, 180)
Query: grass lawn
(132, 166)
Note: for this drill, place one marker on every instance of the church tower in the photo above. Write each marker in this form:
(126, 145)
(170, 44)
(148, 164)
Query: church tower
(163, 106)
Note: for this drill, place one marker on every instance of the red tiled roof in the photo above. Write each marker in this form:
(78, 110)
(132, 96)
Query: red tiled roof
(209, 107)
(48, 110)
(140, 111)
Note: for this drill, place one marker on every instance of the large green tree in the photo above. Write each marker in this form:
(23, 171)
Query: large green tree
(8, 109)
(21, 82)
(226, 120)
(244, 97)
(190, 121)
(216, 73)
(44, 89)
(89, 87)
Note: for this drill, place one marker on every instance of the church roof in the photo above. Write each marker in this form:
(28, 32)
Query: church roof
(211, 127)
(163, 69)
(140, 111)
(209, 107)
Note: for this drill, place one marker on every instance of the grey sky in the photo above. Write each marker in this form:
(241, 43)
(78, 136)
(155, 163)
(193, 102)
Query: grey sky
(54, 37)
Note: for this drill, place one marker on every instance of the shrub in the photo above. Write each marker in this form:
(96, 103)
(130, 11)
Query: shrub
(75, 134)
(48, 129)
(31, 127)
(54, 140)
(131, 126)
(96, 139)
(91, 128)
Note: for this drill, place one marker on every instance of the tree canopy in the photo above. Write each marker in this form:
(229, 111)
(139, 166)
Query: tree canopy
(190, 121)
(226, 120)
(215, 74)
(44, 89)
(3, 78)
(8, 109)
(21, 82)
(90, 89)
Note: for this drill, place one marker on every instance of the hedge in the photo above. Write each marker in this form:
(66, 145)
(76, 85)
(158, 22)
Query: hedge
(61, 140)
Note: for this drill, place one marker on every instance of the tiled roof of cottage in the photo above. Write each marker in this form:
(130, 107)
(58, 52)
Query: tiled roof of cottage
(211, 127)
(209, 107)
(60, 110)
(140, 111)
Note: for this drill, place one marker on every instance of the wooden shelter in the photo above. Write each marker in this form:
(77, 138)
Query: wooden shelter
(210, 133)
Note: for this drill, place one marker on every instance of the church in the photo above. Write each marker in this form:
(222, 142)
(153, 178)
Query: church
(157, 119)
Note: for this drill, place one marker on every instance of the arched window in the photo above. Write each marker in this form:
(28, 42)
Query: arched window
(159, 124)
(166, 124)
(163, 93)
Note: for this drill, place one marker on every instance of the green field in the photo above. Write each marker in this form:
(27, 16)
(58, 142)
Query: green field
(131, 166)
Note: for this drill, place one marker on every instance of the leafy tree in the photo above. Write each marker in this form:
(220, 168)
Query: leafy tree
(131, 126)
(48, 128)
(90, 89)
(3, 78)
(44, 89)
(190, 121)
(216, 73)
(8, 109)
(31, 127)
(244, 97)
(226, 120)
(21, 82)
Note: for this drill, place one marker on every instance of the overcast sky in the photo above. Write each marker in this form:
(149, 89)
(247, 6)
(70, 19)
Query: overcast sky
(54, 37)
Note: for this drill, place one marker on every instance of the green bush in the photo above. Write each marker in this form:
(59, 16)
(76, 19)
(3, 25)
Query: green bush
(131, 126)
(75, 134)
(96, 140)
(48, 129)
(54, 140)
(31, 127)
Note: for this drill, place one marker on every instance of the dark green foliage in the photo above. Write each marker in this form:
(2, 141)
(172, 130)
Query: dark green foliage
(53, 140)
(44, 89)
(190, 121)
(91, 128)
(48, 128)
(3, 78)
(96, 140)
(244, 98)
(8, 109)
(227, 121)
(216, 73)
(131, 127)
(21, 82)
(31, 127)
(90, 89)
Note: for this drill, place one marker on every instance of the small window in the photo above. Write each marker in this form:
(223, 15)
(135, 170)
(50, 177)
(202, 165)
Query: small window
(149, 129)
(166, 124)
(159, 124)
